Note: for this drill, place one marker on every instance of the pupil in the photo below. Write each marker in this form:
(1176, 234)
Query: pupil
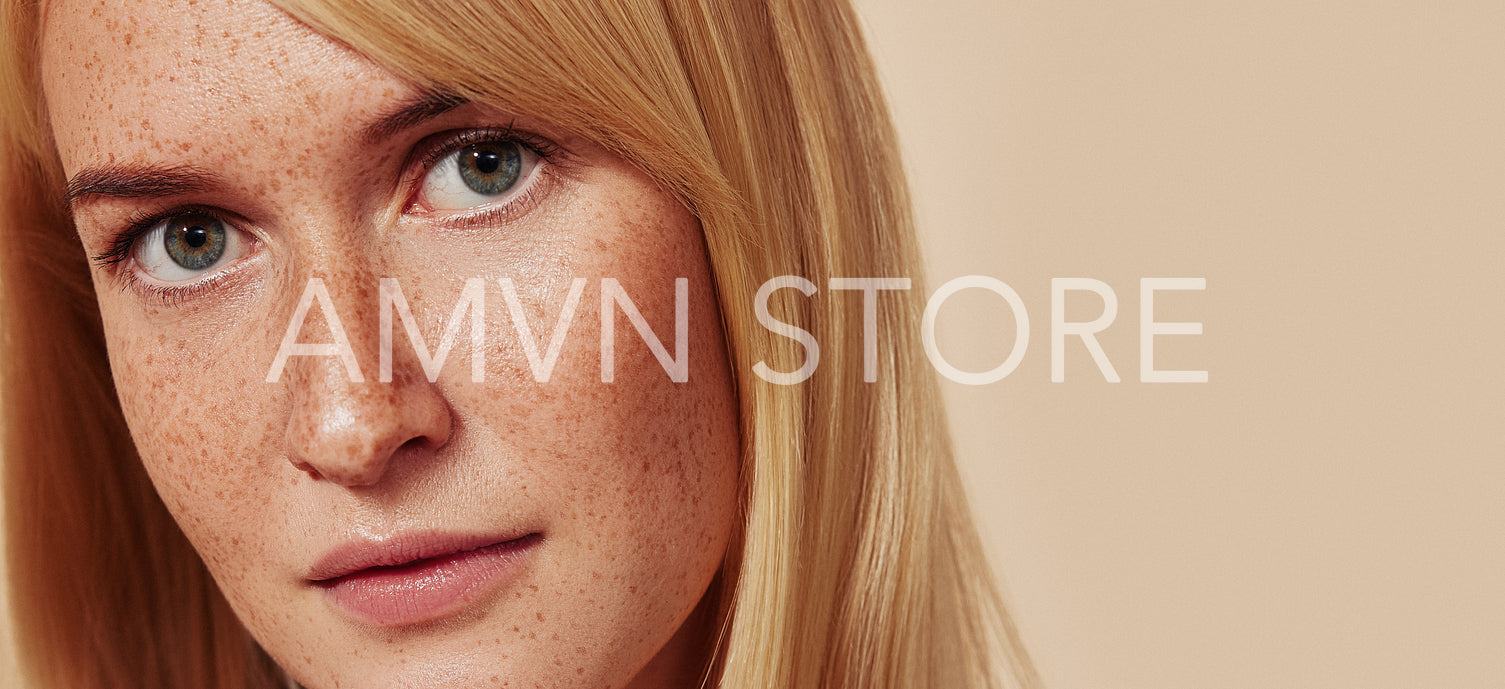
(195, 236)
(488, 162)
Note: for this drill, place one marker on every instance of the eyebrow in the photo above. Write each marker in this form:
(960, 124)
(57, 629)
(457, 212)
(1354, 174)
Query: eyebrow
(410, 113)
(137, 181)
(144, 181)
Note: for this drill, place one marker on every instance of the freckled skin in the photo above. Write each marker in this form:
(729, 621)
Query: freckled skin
(632, 483)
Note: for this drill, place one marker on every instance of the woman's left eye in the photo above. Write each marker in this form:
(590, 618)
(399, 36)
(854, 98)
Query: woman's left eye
(477, 174)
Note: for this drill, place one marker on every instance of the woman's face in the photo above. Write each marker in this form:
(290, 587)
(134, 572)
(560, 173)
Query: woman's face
(463, 532)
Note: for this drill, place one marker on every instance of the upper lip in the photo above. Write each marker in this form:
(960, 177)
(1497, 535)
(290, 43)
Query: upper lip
(402, 549)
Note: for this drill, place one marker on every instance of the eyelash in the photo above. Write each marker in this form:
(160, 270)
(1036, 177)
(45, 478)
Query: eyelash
(122, 246)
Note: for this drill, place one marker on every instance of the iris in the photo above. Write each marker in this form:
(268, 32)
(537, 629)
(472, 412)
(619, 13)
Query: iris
(490, 168)
(194, 241)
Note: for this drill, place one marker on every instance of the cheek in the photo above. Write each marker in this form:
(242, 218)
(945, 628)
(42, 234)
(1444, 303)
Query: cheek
(639, 474)
(675, 442)
(664, 444)
(195, 410)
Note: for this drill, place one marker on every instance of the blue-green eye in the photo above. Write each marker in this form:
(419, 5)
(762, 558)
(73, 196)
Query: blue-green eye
(194, 242)
(185, 246)
(491, 168)
(478, 174)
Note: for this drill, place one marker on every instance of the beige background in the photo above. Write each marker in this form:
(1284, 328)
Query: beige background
(1325, 512)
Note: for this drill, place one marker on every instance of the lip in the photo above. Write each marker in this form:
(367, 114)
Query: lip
(418, 577)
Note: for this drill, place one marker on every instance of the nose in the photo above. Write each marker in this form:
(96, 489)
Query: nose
(349, 431)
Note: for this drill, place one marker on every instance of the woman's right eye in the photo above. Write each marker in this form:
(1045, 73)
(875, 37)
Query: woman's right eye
(187, 246)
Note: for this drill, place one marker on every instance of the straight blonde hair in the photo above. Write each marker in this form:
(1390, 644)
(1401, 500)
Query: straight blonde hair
(856, 565)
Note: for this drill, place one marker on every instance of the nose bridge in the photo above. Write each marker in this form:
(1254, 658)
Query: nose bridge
(344, 424)
(349, 279)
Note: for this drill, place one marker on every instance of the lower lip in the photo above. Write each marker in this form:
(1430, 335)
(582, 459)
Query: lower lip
(426, 590)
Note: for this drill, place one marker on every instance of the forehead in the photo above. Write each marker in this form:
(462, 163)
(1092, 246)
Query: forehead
(160, 79)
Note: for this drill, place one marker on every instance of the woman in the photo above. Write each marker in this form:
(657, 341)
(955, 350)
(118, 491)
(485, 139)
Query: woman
(223, 470)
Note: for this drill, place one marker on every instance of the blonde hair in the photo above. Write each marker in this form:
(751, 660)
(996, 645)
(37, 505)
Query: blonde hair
(856, 564)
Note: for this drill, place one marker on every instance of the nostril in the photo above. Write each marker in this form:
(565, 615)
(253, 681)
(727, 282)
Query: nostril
(418, 443)
(307, 468)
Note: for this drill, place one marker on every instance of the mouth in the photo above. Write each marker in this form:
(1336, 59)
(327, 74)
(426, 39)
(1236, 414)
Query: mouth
(417, 578)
